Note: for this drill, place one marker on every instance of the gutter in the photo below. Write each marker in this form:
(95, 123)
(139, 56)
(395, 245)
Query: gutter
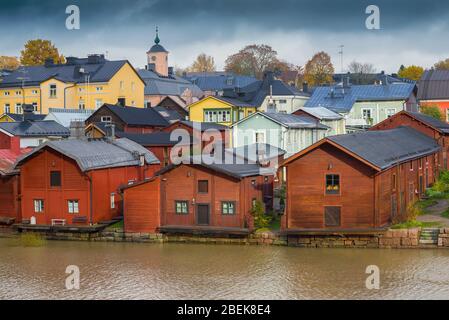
(91, 205)
(65, 90)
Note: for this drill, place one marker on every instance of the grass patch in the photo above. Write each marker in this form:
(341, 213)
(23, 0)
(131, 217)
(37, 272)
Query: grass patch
(445, 214)
(117, 225)
(275, 225)
(29, 240)
(416, 224)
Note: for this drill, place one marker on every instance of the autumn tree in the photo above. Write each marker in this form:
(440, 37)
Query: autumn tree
(442, 65)
(203, 63)
(411, 72)
(433, 111)
(9, 63)
(37, 51)
(319, 70)
(254, 60)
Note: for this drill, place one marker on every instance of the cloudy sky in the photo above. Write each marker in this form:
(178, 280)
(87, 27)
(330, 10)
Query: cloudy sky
(411, 31)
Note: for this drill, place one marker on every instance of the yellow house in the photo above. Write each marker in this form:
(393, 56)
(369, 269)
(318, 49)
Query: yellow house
(225, 111)
(85, 83)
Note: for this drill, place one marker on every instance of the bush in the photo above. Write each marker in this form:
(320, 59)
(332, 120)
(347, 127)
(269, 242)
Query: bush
(261, 220)
(413, 211)
(29, 240)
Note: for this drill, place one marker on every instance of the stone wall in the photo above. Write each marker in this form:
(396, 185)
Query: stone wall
(443, 238)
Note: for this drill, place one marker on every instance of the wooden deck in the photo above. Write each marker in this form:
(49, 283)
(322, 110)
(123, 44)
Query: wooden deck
(204, 230)
(66, 228)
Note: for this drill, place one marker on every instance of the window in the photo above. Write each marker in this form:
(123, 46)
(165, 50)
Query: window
(18, 93)
(55, 178)
(34, 92)
(228, 208)
(260, 137)
(390, 112)
(282, 101)
(81, 105)
(393, 181)
(99, 89)
(34, 106)
(73, 206)
(332, 184)
(107, 119)
(6, 93)
(7, 108)
(366, 114)
(217, 116)
(411, 165)
(112, 200)
(52, 91)
(18, 108)
(122, 85)
(266, 179)
(332, 216)
(98, 103)
(203, 186)
(38, 206)
(182, 207)
(253, 183)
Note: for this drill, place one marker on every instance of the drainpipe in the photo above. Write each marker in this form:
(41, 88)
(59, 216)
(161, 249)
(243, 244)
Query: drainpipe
(65, 90)
(91, 204)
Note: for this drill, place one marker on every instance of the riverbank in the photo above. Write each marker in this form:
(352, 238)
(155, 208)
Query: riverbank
(394, 238)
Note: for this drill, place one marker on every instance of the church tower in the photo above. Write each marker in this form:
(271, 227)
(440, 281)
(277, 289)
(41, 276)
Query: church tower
(158, 57)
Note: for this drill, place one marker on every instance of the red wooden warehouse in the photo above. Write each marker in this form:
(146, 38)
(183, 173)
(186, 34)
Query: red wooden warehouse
(191, 198)
(77, 181)
(437, 129)
(358, 182)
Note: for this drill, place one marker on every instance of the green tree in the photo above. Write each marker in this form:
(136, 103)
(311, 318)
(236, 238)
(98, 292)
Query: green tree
(37, 51)
(411, 72)
(432, 111)
(261, 220)
(254, 60)
(442, 65)
(319, 70)
(203, 63)
(9, 63)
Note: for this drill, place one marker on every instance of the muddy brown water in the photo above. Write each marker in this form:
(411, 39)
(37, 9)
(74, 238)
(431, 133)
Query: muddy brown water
(184, 271)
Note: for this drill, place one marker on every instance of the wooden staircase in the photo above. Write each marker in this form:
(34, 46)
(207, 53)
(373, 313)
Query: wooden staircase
(429, 236)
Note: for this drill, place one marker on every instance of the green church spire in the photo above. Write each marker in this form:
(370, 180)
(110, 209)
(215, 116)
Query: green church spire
(157, 40)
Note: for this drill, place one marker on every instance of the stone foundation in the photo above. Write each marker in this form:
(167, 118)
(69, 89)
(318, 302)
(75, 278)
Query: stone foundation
(443, 238)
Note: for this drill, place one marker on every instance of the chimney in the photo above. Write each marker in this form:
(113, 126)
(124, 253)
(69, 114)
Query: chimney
(71, 61)
(151, 67)
(170, 71)
(111, 133)
(305, 87)
(28, 112)
(49, 62)
(95, 58)
(269, 76)
(77, 129)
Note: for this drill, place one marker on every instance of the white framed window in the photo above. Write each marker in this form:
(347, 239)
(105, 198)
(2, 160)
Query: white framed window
(38, 206)
(99, 89)
(7, 108)
(98, 103)
(106, 119)
(53, 91)
(34, 106)
(390, 112)
(217, 116)
(34, 92)
(18, 109)
(112, 200)
(73, 206)
(6, 93)
(260, 137)
(81, 105)
(367, 113)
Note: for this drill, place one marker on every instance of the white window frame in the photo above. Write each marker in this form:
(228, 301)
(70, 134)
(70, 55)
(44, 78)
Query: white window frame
(263, 133)
(82, 105)
(106, 119)
(18, 108)
(113, 200)
(7, 93)
(35, 106)
(18, 93)
(7, 108)
(98, 103)
(53, 90)
(38, 205)
(73, 206)
(34, 92)
(370, 111)
(388, 113)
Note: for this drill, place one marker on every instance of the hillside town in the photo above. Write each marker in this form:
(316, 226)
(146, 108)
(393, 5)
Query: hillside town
(89, 145)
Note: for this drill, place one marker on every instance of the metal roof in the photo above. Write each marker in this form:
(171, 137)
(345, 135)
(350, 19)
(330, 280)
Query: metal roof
(253, 152)
(342, 99)
(289, 120)
(19, 117)
(65, 116)
(434, 84)
(385, 148)
(98, 154)
(219, 81)
(35, 129)
(322, 113)
(171, 85)
(149, 139)
(135, 116)
(430, 121)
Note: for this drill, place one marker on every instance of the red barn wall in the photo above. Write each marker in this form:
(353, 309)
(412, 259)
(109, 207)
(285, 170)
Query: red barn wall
(9, 205)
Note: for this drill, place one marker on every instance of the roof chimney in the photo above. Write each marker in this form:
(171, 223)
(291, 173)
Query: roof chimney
(28, 111)
(151, 67)
(170, 71)
(111, 133)
(77, 129)
(49, 62)
(305, 87)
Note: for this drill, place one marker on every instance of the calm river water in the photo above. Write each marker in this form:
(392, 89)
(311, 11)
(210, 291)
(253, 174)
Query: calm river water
(182, 271)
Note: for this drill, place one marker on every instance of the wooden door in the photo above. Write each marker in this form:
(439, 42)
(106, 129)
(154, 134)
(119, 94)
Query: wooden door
(202, 215)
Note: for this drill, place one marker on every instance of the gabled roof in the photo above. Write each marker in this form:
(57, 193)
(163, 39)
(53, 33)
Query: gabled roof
(322, 113)
(341, 99)
(171, 85)
(287, 120)
(98, 154)
(149, 139)
(19, 117)
(218, 81)
(34, 129)
(438, 125)
(8, 158)
(135, 116)
(434, 85)
(101, 71)
(169, 115)
(65, 116)
(380, 149)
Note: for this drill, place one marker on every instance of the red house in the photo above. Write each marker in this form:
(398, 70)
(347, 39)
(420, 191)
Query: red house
(77, 181)
(434, 128)
(196, 198)
(358, 182)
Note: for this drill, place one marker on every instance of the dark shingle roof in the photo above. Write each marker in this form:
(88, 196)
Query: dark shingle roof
(99, 72)
(169, 115)
(434, 84)
(341, 99)
(149, 139)
(386, 148)
(219, 81)
(431, 121)
(136, 116)
(35, 128)
(19, 117)
(99, 154)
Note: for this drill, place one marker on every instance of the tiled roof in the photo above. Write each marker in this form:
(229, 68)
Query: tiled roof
(35, 129)
(98, 154)
(434, 84)
(385, 148)
(341, 99)
(8, 158)
(136, 116)
(69, 72)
